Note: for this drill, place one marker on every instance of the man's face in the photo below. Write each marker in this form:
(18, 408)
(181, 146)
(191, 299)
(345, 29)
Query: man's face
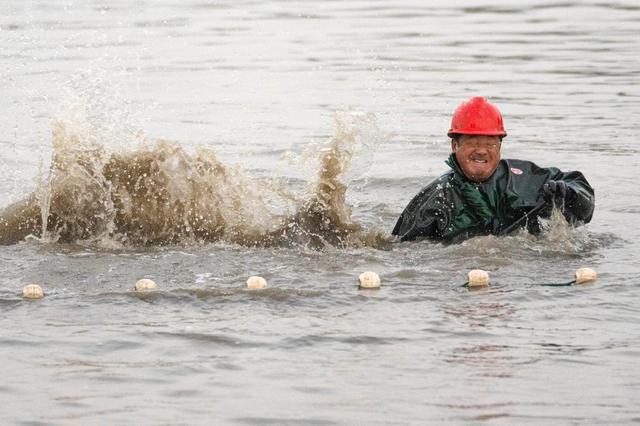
(478, 155)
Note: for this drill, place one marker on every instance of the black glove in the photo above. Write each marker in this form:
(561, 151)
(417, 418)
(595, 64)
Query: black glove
(492, 226)
(557, 192)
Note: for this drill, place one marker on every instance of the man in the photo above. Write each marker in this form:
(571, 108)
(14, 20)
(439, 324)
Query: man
(482, 194)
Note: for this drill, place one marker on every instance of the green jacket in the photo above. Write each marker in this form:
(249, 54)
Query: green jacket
(453, 208)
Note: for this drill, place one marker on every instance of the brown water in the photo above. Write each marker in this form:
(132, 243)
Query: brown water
(162, 195)
(200, 143)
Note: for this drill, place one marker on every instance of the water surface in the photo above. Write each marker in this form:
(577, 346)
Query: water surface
(258, 85)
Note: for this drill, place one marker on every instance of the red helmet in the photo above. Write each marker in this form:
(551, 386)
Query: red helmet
(477, 117)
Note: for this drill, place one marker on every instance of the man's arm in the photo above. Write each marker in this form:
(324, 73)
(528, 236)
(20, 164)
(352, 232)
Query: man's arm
(572, 190)
(420, 217)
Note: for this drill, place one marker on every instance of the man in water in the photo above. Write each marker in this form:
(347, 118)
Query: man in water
(484, 195)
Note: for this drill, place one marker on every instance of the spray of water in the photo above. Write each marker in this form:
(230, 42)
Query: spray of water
(160, 194)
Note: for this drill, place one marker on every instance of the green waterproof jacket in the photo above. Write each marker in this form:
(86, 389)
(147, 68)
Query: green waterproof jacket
(452, 208)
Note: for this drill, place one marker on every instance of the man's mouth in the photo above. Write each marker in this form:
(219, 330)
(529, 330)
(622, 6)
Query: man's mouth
(478, 160)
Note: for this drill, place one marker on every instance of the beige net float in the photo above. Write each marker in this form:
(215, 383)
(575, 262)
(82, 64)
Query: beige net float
(368, 280)
(256, 283)
(585, 275)
(145, 284)
(32, 291)
(477, 278)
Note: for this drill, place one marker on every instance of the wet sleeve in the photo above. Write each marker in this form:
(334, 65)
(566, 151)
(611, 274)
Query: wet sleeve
(580, 203)
(420, 217)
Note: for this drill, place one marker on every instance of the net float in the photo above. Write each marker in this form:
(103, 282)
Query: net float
(585, 275)
(145, 284)
(32, 291)
(369, 280)
(478, 278)
(256, 283)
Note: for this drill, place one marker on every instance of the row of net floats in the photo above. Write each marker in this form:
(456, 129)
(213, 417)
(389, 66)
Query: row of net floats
(476, 278)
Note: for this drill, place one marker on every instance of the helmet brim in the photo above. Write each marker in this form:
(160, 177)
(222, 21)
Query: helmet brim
(452, 133)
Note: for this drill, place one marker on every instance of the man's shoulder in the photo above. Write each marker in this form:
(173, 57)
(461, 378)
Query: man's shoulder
(514, 162)
(435, 188)
(440, 182)
(522, 167)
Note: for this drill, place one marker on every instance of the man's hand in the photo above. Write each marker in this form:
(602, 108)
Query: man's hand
(556, 191)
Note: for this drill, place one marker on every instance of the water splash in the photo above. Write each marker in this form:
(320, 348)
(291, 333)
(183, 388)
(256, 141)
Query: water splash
(556, 239)
(160, 194)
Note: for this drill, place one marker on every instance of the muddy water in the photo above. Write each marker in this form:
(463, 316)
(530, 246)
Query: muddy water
(294, 134)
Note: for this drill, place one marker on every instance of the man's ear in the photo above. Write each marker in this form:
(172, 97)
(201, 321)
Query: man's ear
(454, 146)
